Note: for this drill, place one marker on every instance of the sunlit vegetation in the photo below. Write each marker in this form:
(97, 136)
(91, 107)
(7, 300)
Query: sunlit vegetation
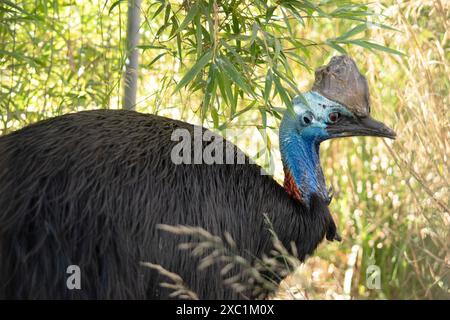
(236, 65)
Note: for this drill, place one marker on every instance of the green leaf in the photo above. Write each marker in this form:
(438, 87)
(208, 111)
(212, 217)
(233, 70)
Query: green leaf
(235, 100)
(298, 59)
(268, 86)
(375, 46)
(179, 47)
(158, 11)
(263, 116)
(277, 49)
(287, 23)
(174, 28)
(189, 17)
(198, 35)
(289, 82)
(283, 93)
(211, 84)
(225, 89)
(115, 4)
(20, 57)
(238, 58)
(358, 29)
(167, 14)
(297, 15)
(150, 46)
(335, 46)
(196, 68)
(156, 59)
(231, 71)
(269, 13)
(249, 107)
(215, 116)
(12, 5)
(255, 29)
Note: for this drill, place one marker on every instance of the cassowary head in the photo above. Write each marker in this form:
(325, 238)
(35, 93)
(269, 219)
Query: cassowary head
(337, 106)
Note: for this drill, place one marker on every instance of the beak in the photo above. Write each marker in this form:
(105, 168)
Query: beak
(365, 126)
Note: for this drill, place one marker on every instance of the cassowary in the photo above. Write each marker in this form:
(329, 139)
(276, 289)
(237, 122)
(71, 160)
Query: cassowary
(90, 188)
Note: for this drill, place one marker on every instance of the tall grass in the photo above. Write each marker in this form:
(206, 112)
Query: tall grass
(257, 277)
(393, 199)
(422, 153)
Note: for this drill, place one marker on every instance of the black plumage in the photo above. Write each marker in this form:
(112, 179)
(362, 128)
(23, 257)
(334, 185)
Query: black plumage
(89, 189)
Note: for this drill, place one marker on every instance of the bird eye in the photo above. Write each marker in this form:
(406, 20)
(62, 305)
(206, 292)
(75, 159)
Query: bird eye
(334, 117)
(307, 118)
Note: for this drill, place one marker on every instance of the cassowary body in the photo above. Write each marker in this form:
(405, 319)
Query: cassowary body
(89, 189)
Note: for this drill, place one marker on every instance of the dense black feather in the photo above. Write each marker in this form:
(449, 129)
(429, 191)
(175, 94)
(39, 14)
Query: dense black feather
(89, 189)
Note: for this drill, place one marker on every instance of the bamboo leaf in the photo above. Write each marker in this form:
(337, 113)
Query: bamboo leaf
(371, 45)
(189, 17)
(179, 47)
(210, 89)
(115, 4)
(198, 35)
(224, 88)
(158, 11)
(231, 71)
(269, 13)
(150, 46)
(20, 57)
(249, 107)
(159, 56)
(267, 86)
(358, 29)
(198, 66)
(283, 94)
(263, 116)
(215, 116)
(335, 46)
(18, 8)
(167, 14)
(235, 100)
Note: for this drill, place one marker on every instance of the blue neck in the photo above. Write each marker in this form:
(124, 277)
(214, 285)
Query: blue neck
(300, 155)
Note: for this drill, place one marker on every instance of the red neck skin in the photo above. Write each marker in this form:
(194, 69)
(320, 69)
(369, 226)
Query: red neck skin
(290, 186)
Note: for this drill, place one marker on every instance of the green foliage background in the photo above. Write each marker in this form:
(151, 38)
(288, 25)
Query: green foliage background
(237, 64)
